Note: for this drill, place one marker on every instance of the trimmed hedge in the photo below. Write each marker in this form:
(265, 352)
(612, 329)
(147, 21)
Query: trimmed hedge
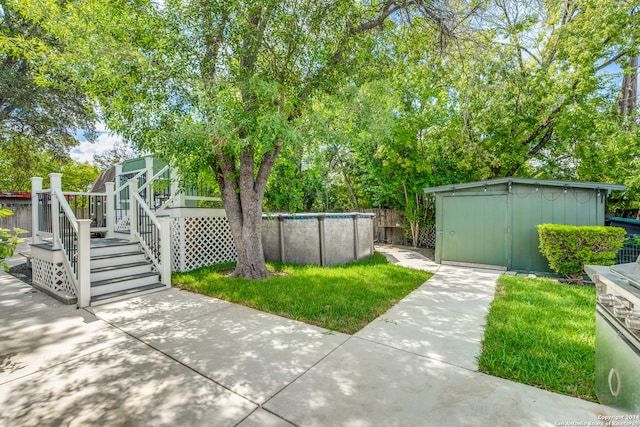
(568, 248)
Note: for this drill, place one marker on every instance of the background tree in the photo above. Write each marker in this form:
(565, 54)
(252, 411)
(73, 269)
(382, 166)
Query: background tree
(40, 110)
(20, 163)
(223, 83)
(629, 89)
(297, 105)
(530, 86)
(118, 153)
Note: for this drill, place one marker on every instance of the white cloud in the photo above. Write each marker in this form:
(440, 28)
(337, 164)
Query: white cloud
(85, 150)
(100, 127)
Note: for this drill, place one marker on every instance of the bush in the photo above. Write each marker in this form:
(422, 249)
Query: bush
(568, 247)
(8, 241)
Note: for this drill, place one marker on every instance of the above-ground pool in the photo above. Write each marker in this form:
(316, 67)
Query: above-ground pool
(317, 238)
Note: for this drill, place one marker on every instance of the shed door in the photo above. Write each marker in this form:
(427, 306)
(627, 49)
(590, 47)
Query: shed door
(475, 229)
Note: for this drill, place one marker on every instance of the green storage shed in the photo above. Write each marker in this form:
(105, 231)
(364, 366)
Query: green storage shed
(493, 222)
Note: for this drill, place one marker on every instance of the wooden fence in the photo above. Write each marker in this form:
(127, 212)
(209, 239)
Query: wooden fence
(21, 217)
(390, 226)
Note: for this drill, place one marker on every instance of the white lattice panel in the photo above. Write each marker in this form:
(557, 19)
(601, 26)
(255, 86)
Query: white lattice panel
(200, 241)
(52, 276)
(123, 224)
(428, 238)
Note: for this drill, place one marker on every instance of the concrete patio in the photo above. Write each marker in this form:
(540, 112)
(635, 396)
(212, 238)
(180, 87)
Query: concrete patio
(176, 358)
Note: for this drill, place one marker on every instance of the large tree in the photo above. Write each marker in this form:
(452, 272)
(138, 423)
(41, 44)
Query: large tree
(40, 112)
(532, 86)
(225, 82)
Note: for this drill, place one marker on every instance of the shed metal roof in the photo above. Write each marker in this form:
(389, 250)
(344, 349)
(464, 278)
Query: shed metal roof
(529, 181)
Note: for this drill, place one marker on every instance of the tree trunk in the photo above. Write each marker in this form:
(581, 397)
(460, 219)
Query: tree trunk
(242, 196)
(248, 238)
(356, 205)
(629, 90)
(413, 218)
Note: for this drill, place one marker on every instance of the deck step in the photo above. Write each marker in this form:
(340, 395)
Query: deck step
(114, 270)
(117, 259)
(114, 248)
(118, 266)
(119, 270)
(108, 286)
(127, 293)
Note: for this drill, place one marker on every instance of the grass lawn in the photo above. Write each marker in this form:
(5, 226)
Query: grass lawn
(341, 298)
(542, 333)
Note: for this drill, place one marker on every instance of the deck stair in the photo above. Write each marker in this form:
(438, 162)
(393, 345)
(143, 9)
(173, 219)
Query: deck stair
(120, 270)
(80, 250)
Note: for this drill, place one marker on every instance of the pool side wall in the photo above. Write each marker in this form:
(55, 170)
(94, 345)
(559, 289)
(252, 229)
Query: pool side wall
(320, 239)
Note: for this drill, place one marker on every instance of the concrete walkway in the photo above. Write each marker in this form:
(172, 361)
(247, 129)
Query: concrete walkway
(178, 359)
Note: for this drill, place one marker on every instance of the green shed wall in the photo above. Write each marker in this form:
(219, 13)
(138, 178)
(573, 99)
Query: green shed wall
(547, 205)
(139, 164)
(133, 164)
(473, 228)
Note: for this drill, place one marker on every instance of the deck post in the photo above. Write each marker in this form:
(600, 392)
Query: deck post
(118, 182)
(84, 263)
(165, 250)
(111, 209)
(323, 246)
(176, 195)
(133, 209)
(36, 186)
(356, 237)
(56, 184)
(148, 162)
(281, 237)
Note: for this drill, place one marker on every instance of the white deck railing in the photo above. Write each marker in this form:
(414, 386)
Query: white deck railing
(56, 221)
(137, 206)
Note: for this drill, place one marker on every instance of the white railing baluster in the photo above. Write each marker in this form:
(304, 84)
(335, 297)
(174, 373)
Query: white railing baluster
(111, 209)
(148, 162)
(36, 187)
(133, 208)
(84, 263)
(143, 220)
(165, 250)
(56, 184)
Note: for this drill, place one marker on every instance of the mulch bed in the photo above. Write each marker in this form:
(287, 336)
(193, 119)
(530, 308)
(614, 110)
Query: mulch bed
(21, 272)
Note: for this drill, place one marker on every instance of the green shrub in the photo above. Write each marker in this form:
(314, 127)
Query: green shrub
(568, 247)
(8, 241)
(632, 240)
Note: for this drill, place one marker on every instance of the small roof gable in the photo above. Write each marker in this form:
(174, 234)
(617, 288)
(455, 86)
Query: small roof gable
(107, 176)
(528, 181)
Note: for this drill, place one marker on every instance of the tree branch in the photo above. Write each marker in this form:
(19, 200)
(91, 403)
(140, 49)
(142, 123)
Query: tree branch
(535, 150)
(387, 8)
(213, 39)
(548, 121)
(268, 160)
(611, 61)
(225, 173)
(567, 16)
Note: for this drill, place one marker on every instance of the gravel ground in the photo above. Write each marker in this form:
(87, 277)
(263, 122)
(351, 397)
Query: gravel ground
(18, 263)
(22, 272)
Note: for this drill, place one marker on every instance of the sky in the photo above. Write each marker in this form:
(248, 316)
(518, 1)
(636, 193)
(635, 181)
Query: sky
(85, 150)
